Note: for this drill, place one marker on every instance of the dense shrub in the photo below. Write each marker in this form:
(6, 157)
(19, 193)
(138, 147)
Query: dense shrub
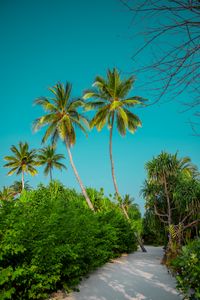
(49, 239)
(153, 231)
(187, 268)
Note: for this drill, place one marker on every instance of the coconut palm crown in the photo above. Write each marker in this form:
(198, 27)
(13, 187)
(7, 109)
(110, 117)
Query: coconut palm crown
(50, 159)
(22, 161)
(110, 98)
(61, 118)
(62, 115)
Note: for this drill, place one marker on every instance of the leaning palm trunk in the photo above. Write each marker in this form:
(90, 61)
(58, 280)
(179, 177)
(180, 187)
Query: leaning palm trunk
(113, 169)
(111, 158)
(78, 178)
(136, 235)
(115, 184)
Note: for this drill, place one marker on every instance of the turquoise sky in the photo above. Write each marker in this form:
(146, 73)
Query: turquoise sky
(46, 41)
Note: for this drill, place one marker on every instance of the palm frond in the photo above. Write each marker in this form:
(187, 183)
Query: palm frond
(101, 114)
(45, 103)
(94, 105)
(31, 170)
(49, 131)
(12, 171)
(123, 115)
(59, 166)
(121, 125)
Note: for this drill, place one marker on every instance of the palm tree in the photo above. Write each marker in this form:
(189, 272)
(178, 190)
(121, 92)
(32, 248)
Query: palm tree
(128, 202)
(61, 118)
(17, 187)
(6, 194)
(50, 159)
(110, 99)
(22, 161)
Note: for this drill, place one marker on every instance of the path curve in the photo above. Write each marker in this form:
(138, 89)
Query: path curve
(137, 276)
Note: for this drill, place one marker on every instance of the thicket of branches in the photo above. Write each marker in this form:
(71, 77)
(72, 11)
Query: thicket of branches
(171, 31)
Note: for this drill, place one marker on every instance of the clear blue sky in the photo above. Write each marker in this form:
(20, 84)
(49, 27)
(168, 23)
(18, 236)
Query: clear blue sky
(46, 41)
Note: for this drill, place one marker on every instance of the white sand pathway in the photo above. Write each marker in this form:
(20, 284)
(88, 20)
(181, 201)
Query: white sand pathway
(136, 276)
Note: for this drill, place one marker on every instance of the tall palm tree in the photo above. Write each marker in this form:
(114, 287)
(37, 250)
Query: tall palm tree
(110, 99)
(22, 161)
(50, 159)
(61, 118)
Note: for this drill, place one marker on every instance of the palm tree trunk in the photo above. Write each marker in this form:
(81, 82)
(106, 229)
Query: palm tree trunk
(50, 173)
(78, 178)
(125, 212)
(115, 182)
(113, 169)
(111, 157)
(22, 179)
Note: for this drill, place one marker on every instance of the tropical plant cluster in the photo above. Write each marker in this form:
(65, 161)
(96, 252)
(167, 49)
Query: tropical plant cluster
(172, 194)
(187, 269)
(109, 98)
(52, 236)
(49, 239)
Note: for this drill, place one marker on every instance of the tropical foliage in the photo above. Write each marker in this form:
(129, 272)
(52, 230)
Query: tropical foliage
(61, 118)
(187, 268)
(48, 158)
(6, 194)
(153, 233)
(111, 100)
(17, 187)
(22, 161)
(50, 239)
(172, 194)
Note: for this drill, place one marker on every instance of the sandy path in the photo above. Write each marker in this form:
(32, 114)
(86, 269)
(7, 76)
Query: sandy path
(135, 276)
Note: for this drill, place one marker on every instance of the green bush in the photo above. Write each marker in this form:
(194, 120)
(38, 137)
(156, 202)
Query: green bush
(49, 239)
(187, 268)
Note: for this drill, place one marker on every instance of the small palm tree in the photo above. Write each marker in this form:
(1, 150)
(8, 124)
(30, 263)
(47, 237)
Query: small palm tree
(50, 159)
(61, 118)
(6, 194)
(22, 161)
(128, 202)
(17, 187)
(110, 99)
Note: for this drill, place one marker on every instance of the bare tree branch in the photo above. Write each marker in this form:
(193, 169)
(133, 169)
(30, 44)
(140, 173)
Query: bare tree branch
(172, 39)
